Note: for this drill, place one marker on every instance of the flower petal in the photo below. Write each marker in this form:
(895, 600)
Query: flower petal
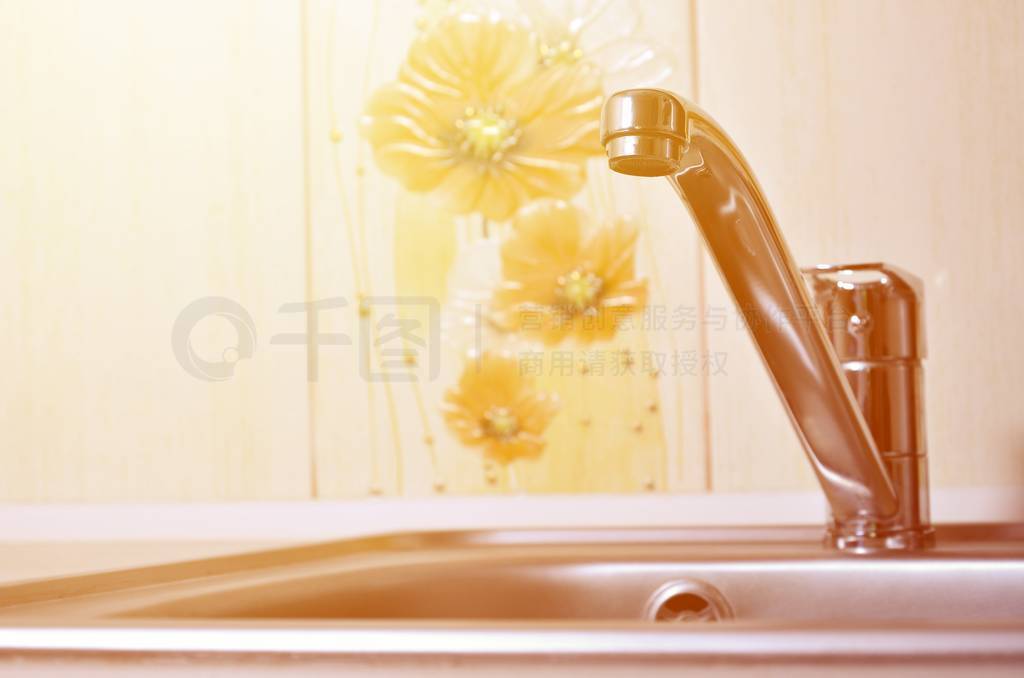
(419, 168)
(471, 56)
(566, 91)
(461, 187)
(612, 252)
(633, 63)
(546, 233)
(546, 177)
(520, 447)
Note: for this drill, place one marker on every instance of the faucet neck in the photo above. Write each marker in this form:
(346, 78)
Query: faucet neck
(751, 254)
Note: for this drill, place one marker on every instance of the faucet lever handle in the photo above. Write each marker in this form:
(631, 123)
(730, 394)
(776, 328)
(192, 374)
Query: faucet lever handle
(874, 316)
(870, 311)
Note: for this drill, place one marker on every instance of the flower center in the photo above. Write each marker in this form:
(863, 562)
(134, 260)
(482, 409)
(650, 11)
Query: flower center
(500, 423)
(579, 290)
(564, 52)
(485, 134)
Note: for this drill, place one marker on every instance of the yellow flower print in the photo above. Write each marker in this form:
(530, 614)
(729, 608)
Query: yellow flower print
(496, 407)
(475, 118)
(557, 283)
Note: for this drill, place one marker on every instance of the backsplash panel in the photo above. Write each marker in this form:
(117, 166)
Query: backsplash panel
(169, 153)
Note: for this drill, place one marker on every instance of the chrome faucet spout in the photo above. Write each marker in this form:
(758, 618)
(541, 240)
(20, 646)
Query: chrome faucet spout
(649, 132)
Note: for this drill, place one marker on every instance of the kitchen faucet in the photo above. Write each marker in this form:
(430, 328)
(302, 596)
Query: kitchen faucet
(649, 133)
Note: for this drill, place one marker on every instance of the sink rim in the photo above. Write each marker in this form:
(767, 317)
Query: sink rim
(732, 641)
(744, 639)
(805, 537)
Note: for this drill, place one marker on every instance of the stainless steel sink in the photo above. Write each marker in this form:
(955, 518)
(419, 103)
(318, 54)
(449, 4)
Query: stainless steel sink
(686, 598)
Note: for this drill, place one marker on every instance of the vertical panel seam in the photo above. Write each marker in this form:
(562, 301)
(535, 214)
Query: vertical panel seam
(307, 208)
(702, 338)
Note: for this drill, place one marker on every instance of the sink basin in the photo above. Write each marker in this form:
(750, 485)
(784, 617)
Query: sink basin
(671, 599)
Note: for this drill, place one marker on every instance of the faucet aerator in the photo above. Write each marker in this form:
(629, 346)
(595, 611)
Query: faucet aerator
(645, 156)
(644, 132)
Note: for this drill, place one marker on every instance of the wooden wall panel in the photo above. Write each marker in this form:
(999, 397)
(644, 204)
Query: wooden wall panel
(883, 131)
(347, 409)
(151, 155)
(671, 256)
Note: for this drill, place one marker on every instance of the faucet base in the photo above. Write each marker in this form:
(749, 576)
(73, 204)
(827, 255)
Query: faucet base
(865, 539)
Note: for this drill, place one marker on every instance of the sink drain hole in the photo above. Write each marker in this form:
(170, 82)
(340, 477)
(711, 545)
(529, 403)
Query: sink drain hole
(688, 601)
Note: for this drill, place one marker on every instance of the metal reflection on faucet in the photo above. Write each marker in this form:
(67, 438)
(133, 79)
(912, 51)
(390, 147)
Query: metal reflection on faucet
(649, 132)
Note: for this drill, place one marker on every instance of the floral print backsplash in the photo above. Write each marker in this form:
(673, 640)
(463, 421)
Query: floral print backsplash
(476, 118)
(488, 132)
